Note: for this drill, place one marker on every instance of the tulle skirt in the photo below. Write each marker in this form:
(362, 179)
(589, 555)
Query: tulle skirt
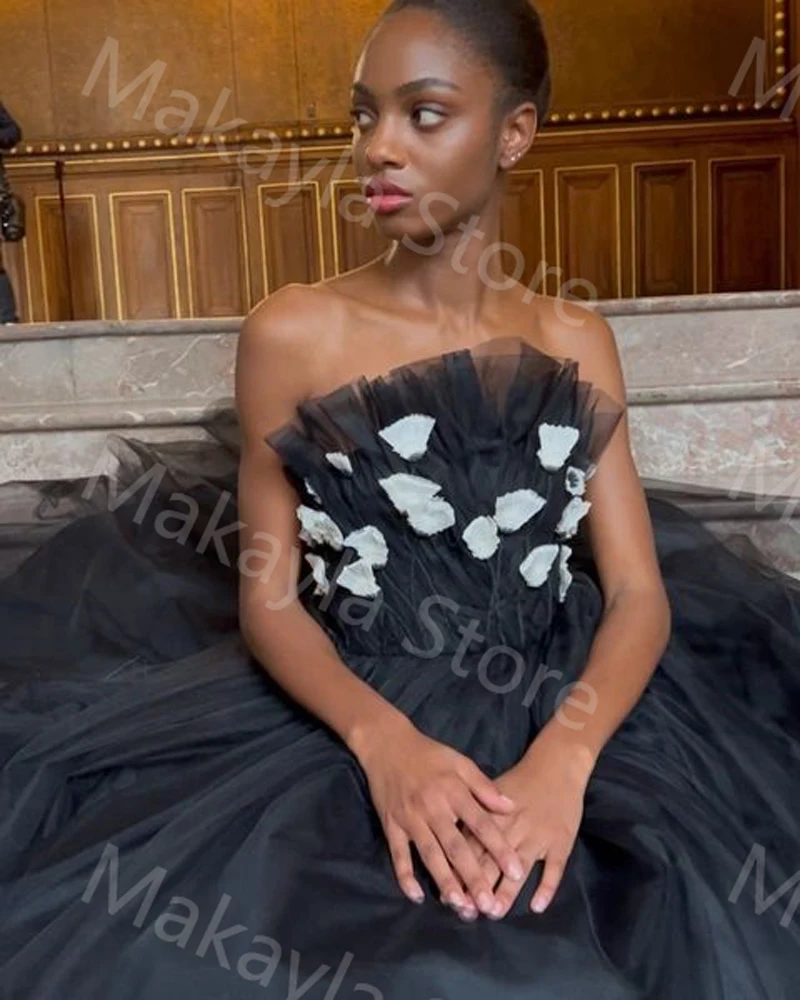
(170, 821)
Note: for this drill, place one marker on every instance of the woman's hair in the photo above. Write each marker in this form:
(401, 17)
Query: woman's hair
(508, 36)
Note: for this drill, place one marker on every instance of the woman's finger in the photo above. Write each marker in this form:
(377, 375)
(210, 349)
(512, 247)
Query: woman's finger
(508, 890)
(489, 866)
(435, 860)
(463, 861)
(491, 836)
(554, 865)
(485, 790)
(402, 863)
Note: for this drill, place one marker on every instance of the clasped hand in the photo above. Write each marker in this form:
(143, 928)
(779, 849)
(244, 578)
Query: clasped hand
(479, 838)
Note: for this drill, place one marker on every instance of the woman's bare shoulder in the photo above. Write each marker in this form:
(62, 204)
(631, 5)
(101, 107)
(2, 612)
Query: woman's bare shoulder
(278, 351)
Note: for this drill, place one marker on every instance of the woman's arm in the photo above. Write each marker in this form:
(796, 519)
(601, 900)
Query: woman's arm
(10, 132)
(636, 624)
(420, 788)
(549, 781)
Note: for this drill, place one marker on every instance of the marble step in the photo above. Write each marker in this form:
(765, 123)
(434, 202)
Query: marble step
(713, 393)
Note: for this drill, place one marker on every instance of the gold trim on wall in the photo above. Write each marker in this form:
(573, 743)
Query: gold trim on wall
(18, 158)
(695, 217)
(188, 248)
(618, 205)
(92, 198)
(781, 159)
(172, 244)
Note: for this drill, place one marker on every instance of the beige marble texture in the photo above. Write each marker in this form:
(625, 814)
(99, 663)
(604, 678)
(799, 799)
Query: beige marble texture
(28, 457)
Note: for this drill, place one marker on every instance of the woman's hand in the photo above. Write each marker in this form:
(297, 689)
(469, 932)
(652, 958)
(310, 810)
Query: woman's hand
(548, 786)
(421, 790)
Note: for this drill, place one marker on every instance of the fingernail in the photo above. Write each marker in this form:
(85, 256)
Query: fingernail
(455, 900)
(417, 895)
(497, 909)
(485, 902)
(515, 870)
(540, 904)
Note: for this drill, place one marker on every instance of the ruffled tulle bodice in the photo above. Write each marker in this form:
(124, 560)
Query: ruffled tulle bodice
(448, 491)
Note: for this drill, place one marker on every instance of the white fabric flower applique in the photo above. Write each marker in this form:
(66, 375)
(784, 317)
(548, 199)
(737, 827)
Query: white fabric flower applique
(339, 460)
(358, 577)
(311, 491)
(571, 515)
(317, 528)
(415, 497)
(319, 572)
(535, 567)
(409, 435)
(556, 441)
(575, 481)
(511, 511)
(564, 575)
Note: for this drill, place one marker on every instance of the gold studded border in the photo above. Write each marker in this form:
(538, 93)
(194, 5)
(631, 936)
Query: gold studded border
(557, 121)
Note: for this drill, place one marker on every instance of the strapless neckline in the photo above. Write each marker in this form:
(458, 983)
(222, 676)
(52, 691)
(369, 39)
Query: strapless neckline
(494, 347)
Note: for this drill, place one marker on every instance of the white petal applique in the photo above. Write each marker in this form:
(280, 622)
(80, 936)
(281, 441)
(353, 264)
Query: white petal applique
(564, 575)
(571, 515)
(311, 491)
(340, 461)
(481, 537)
(318, 528)
(409, 435)
(431, 516)
(556, 441)
(512, 510)
(358, 577)
(370, 544)
(404, 488)
(575, 480)
(537, 564)
(416, 497)
(319, 571)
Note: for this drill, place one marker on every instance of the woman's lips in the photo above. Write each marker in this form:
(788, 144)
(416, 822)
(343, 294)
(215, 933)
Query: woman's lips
(382, 204)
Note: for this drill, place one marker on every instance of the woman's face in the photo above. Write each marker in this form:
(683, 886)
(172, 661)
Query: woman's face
(423, 110)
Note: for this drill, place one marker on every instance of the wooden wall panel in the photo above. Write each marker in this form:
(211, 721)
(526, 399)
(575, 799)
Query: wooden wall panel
(665, 228)
(26, 84)
(747, 224)
(71, 268)
(626, 54)
(145, 264)
(588, 230)
(615, 208)
(354, 243)
(523, 226)
(293, 60)
(216, 251)
(329, 38)
(265, 61)
(16, 262)
(291, 233)
(192, 40)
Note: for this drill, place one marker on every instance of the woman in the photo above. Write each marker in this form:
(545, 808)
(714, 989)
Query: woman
(10, 135)
(510, 727)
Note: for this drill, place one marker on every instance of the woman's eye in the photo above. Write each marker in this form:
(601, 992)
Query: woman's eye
(360, 117)
(434, 116)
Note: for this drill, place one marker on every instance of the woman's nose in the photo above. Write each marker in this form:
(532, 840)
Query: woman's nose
(383, 146)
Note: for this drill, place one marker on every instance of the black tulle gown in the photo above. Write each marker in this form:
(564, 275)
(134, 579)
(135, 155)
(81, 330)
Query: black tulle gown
(173, 825)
